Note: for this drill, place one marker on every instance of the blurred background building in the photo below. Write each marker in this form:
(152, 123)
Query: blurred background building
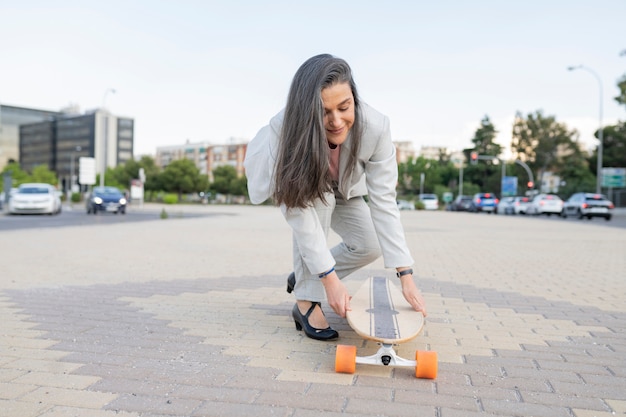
(205, 156)
(58, 139)
(11, 117)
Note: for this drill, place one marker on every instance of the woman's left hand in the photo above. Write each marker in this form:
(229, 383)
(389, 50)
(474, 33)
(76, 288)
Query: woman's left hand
(412, 294)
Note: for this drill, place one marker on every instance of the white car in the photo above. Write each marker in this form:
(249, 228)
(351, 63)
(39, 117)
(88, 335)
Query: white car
(513, 205)
(36, 198)
(430, 201)
(405, 205)
(545, 204)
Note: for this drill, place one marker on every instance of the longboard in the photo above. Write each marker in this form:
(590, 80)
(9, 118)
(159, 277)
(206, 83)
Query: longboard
(381, 314)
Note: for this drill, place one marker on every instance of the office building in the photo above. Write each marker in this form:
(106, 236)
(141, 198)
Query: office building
(60, 142)
(11, 118)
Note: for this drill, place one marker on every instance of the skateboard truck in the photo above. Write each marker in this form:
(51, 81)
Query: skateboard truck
(387, 356)
(425, 363)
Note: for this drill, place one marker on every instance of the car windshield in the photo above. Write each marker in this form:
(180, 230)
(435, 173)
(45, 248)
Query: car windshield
(106, 191)
(428, 197)
(33, 190)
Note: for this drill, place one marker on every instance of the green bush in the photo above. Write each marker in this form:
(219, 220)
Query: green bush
(170, 199)
(419, 205)
(76, 197)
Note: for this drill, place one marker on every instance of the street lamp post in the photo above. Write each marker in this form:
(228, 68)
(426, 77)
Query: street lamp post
(106, 134)
(600, 130)
(70, 189)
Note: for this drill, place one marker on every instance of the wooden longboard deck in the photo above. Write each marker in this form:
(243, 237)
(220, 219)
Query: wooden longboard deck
(380, 313)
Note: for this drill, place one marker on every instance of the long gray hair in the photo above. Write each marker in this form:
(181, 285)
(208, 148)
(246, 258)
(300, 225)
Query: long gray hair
(302, 172)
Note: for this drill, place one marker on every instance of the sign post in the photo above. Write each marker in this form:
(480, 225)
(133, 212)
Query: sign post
(613, 177)
(87, 170)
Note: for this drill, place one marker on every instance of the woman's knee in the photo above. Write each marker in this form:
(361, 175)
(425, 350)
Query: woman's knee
(367, 254)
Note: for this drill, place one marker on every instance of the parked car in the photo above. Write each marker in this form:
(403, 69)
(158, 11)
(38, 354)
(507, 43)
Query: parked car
(548, 204)
(405, 205)
(486, 202)
(588, 205)
(461, 203)
(430, 201)
(35, 198)
(505, 206)
(108, 199)
(513, 205)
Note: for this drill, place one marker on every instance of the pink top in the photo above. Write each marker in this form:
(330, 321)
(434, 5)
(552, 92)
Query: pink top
(334, 162)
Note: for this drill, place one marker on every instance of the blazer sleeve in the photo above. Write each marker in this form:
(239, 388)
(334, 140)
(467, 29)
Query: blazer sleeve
(260, 160)
(381, 173)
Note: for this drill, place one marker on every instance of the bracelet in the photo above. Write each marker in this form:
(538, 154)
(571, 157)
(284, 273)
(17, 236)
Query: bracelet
(405, 272)
(324, 274)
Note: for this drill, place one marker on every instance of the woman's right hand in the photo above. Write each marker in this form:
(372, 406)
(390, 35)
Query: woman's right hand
(337, 294)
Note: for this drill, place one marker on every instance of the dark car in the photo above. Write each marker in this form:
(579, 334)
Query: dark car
(588, 205)
(487, 202)
(461, 203)
(108, 199)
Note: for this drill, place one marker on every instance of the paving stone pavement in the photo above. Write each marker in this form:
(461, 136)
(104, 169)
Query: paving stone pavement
(189, 317)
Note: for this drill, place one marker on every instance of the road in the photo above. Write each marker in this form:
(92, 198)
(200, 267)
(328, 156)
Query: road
(76, 216)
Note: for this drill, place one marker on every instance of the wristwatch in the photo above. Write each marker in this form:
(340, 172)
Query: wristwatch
(405, 272)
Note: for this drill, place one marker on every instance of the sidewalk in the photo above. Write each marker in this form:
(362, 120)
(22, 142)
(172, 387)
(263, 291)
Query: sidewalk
(189, 317)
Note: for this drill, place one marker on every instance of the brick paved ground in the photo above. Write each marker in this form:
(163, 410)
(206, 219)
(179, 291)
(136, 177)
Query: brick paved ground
(189, 317)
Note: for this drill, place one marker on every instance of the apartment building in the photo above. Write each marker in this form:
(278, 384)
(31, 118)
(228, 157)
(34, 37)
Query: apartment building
(204, 155)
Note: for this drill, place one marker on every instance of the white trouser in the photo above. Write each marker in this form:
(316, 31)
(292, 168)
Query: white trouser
(352, 221)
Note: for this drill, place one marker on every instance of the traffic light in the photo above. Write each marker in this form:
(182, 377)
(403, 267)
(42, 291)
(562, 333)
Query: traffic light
(530, 184)
(473, 158)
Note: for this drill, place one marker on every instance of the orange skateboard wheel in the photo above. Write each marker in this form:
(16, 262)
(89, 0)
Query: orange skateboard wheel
(426, 364)
(345, 359)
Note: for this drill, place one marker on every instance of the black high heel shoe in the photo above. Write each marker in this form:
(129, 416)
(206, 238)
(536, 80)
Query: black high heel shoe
(291, 282)
(302, 323)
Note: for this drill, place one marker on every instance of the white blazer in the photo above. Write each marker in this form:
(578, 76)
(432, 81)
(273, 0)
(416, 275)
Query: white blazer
(375, 175)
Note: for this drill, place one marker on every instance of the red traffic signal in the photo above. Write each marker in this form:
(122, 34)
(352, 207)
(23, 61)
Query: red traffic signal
(530, 184)
(474, 157)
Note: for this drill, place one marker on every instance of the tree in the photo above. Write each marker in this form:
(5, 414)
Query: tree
(152, 171)
(542, 142)
(484, 138)
(410, 174)
(41, 173)
(484, 174)
(614, 147)
(621, 84)
(18, 175)
(576, 176)
(182, 176)
(226, 181)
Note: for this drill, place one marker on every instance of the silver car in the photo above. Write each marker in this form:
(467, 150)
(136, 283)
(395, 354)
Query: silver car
(588, 205)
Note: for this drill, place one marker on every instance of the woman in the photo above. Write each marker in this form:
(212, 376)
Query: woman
(317, 159)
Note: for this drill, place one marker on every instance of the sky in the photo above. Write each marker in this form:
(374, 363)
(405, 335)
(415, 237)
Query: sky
(217, 71)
